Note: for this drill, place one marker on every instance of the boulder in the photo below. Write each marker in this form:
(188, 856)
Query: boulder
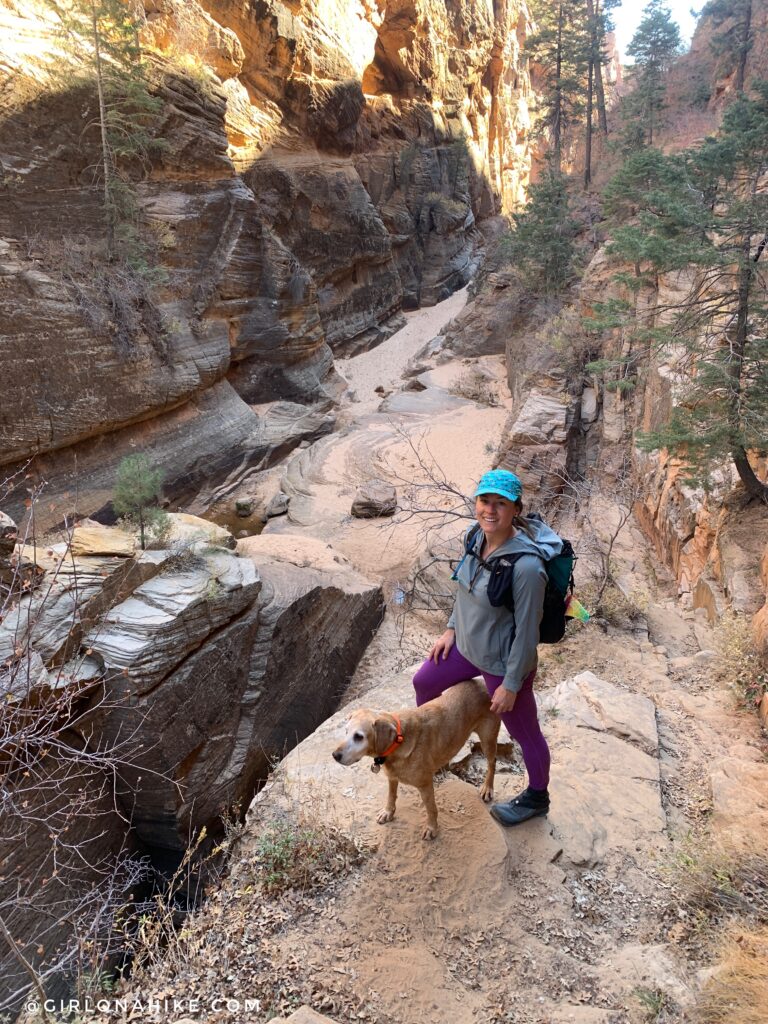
(278, 505)
(95, 539)
(188, 529)
(217, 669)
(8, 535)
(176, 654)
(375, 499)
(317, 616)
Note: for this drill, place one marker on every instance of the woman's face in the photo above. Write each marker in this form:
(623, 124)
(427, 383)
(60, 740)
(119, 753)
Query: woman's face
(495, 513)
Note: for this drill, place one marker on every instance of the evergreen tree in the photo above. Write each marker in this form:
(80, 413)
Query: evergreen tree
(654, 46)
(601, 23)
(706, 209)
(137, 490)
(732, 20)
(543, 242)
(560, 47)
(101, 38)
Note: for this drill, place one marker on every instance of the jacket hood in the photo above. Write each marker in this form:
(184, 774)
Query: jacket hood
(543, 541)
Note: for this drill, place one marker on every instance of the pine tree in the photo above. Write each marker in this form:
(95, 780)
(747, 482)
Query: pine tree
(542, 245)
(101, 38)
(732, 41)
(654, 46)
(603, 23)
(560, 47)
(706, 209)
(137, 489)
(598, 23)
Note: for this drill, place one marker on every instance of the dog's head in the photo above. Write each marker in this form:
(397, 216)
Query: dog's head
(367, 733)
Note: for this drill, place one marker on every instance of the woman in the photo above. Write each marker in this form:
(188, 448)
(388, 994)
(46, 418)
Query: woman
(495, 642)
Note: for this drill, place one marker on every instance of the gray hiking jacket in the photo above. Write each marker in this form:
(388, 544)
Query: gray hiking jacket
(484, 633)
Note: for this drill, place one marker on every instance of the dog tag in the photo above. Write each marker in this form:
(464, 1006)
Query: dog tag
(375, 768)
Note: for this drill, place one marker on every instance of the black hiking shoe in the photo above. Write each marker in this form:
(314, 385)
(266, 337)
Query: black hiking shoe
(526, 805)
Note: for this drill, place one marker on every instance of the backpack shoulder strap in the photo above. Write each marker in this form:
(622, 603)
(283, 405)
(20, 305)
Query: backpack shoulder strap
(469, 540)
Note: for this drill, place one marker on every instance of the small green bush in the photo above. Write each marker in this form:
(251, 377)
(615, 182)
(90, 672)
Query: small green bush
(303, 857)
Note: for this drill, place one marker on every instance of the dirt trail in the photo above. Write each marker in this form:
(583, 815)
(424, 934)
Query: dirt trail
(574, 918)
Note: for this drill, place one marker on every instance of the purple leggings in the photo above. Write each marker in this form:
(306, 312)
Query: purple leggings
(522, 721)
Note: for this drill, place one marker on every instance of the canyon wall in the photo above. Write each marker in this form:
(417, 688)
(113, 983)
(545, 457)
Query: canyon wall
(323, 166)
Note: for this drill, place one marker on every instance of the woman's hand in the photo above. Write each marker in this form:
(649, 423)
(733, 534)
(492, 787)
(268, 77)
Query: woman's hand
(502, 700)
(442, 645)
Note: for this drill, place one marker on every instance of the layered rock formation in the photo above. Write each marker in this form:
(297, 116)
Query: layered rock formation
(323, 165)
(152, 690)
(208, 664)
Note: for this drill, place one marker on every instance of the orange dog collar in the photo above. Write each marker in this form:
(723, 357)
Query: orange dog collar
(381, 758)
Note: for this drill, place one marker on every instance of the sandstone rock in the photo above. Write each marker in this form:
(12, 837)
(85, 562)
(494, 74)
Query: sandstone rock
(592, 703)
(203, 39)
(271, 254)
(187, 529)
(101, 540)
(222, 666)
(740, 799)
(374, 499)
(422, 361)
(429, 402)
(278, 505)
(8, 535)
(542, 421)
(589, 405)
(306, 1015)
(166, 618)
(77, 590)
(284, 426)
(605, 779)
(215, 437)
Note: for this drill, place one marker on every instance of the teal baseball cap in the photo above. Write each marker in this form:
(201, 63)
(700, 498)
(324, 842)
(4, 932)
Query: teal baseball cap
(500, 481)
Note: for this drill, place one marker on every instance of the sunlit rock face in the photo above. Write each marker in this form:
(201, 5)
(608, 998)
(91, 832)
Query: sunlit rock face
(324, 165)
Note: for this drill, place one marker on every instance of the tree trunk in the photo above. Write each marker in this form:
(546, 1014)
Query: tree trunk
(597, 57)
(557, 114)
(741, 66)
(105, 153)
(747, 475)
(588, 143)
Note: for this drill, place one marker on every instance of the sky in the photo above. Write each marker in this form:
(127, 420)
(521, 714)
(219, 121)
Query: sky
(629, 14)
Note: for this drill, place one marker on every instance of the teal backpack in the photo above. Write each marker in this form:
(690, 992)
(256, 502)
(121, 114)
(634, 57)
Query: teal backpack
(560, 583)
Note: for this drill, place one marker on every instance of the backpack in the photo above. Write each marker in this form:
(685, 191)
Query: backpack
(560, 583)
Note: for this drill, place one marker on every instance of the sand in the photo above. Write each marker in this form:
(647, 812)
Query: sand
(383, 366)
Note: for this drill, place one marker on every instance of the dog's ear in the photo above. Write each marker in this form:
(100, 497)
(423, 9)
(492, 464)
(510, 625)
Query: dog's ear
(384, 735)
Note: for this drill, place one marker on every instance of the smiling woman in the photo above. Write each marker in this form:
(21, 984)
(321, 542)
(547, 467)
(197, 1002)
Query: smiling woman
(500, 643)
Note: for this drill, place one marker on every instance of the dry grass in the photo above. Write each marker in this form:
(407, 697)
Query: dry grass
(737, 993)
(738, 661)
(476, 387)
(716, 886)
(613, 605)
(291, 855)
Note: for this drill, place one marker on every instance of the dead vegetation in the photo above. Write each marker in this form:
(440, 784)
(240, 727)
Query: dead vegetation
(114, 297)
(476, 387)
(738, 661)
(286, 868)
(737, 992)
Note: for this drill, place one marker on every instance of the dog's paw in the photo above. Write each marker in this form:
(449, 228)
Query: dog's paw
(486, 794)
(430, 831)
(384, 816)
